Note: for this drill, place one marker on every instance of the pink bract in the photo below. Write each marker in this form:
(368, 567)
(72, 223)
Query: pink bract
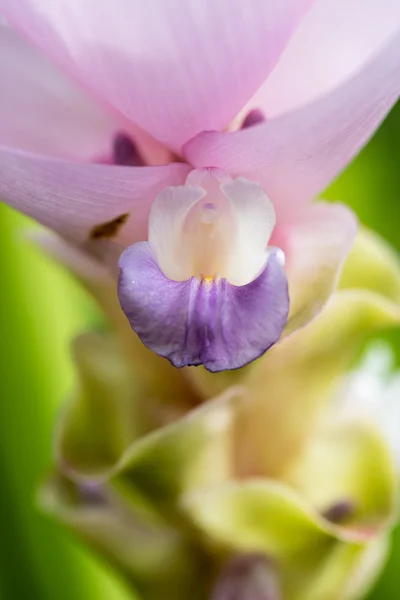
(177, 68)
(178, 77)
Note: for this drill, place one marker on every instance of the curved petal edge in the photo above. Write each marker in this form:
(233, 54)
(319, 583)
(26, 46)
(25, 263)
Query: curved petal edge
(209, 322)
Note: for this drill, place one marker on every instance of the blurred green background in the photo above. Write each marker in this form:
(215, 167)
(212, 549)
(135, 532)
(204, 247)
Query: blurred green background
(40, 310)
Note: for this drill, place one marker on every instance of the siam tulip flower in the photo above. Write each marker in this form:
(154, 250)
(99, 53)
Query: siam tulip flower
(189, 139)
(264, 489)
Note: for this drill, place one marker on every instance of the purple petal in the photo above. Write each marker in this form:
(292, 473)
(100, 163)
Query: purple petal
(195, 322)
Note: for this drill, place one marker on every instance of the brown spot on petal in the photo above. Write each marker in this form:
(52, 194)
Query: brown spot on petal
(125, 152)
(340, 512)
(92, 494)
(109, 229)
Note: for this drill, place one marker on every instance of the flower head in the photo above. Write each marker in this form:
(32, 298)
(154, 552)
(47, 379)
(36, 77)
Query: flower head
(206, 289)
(259, 94)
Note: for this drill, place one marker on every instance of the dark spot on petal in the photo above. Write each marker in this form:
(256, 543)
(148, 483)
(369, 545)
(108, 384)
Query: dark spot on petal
(248, 577)
(340, 512)
(92, 494)
(175, 157)
(109, 229)
(254, 117)
(125, 152)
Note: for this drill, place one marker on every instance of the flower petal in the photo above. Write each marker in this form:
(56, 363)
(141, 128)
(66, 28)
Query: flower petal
(316, 247)
(176, 67)
(297, 155)
(80, 200)
(42, 111)
(334, 40)
(167, 217)
(199, 322)
(255, 219)
(226, 235)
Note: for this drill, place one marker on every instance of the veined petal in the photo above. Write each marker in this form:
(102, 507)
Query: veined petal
(202, 322)
(144, 58)
(80, 200)
(334, 40)
(316, 247)
(295, 156)
(43, 111)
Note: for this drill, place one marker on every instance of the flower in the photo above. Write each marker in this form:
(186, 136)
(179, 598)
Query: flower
(259, 481)
(220, 120)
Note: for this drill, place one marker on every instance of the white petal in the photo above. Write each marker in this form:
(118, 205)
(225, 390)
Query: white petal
(166, 222)
(212, 230)
(254, 215)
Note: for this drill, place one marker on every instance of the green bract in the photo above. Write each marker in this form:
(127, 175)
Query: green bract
(170, 478)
